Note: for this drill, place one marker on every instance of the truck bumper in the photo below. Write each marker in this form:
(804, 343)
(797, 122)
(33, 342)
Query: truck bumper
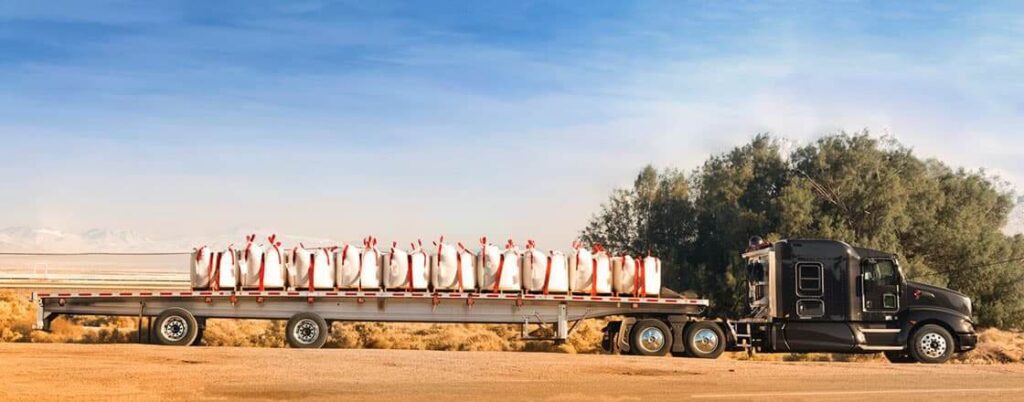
(967, 342)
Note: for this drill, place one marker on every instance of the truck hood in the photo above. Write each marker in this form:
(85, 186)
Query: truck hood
(924, 295)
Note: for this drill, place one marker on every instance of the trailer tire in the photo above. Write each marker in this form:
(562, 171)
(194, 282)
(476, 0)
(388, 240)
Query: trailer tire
(176, 327)
(650, 337)
(306, 331)
(704, 340)
(931, 344)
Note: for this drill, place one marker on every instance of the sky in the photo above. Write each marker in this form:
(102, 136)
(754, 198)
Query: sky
(468, 118)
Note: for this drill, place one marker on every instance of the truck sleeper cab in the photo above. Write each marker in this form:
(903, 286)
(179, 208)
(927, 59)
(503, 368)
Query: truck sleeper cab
(827, 296)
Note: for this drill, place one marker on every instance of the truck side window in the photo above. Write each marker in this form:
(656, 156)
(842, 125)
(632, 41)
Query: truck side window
(809, 277)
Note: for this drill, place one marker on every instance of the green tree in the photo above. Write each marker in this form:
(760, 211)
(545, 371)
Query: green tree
(871, 192)
(655, 215)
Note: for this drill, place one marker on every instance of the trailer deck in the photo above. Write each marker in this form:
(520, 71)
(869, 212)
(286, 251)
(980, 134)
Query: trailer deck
(391, 306)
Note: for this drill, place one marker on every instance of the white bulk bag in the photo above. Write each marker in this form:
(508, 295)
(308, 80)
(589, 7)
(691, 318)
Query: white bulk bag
(262, 269)
(499, 270)
(347, 261)
(452, 268)
(651, 272)
(544, 273)
(215, 270)
(590, 272)
(369, 270)
(201, 267)
(625, 270)
(311, 269)
(406, 270)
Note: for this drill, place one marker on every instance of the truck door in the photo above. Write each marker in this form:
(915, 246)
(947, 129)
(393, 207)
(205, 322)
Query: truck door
(880, 282)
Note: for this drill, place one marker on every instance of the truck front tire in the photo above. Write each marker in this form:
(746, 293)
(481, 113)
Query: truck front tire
(176, 327)
(704, 340)
(306, 331)
(931, 344)
(650, 337)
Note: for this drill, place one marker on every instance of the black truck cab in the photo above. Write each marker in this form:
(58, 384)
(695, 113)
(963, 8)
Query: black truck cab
(808, 295)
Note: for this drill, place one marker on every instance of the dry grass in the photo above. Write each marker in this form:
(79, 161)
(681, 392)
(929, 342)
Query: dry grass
(17, 315)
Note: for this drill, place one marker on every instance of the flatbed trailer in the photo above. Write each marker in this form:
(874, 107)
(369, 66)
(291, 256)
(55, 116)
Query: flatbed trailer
(180, 315)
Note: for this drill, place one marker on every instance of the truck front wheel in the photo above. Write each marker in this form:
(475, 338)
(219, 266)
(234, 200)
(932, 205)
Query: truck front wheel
(931, 344)
(705, 340)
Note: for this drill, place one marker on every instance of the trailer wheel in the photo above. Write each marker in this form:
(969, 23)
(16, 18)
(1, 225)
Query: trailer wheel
(176, 327)
(306, 331)
(931, 344)
(650, 337)
(704, 340)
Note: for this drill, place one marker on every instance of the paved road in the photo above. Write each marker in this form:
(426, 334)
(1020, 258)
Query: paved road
(102, 372)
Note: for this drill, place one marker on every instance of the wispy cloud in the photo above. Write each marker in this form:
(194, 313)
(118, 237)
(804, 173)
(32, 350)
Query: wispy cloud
(334, 119)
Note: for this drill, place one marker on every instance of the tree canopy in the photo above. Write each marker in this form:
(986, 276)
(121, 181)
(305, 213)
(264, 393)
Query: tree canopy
(944, 223)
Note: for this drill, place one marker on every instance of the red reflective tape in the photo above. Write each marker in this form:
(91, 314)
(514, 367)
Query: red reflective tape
(530, 296)
(599, 298)
(417, 294)
(633, 299)
(85, 294)
(547, 276)
(44, 295)
(293, 293)
(64, 294)
(350, 293)
(332, 293)
(124, 294)
(493, 296)
(578, 298)
(106, 294)
(558, 297)
(145, 293)
(614, 298)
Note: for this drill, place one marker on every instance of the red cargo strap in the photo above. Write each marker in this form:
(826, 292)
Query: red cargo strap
(593, 278)
(547, 276)
(263, 269)
(458, 268)
(199, 254)
(215, 276)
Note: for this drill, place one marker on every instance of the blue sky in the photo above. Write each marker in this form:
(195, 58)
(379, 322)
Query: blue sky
(338, 119)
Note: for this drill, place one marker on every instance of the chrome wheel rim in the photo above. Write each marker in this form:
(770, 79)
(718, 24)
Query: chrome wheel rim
(932, 345)
(705, 340)
(174, 328)
(652, 339)
(306, 331)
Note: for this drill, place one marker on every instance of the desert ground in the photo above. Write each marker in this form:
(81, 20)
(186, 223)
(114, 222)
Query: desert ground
(126, 371)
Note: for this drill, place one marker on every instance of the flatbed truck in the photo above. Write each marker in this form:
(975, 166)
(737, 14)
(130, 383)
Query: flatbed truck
(803, 296)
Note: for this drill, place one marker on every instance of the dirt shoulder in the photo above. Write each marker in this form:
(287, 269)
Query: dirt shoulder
(103, 372)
